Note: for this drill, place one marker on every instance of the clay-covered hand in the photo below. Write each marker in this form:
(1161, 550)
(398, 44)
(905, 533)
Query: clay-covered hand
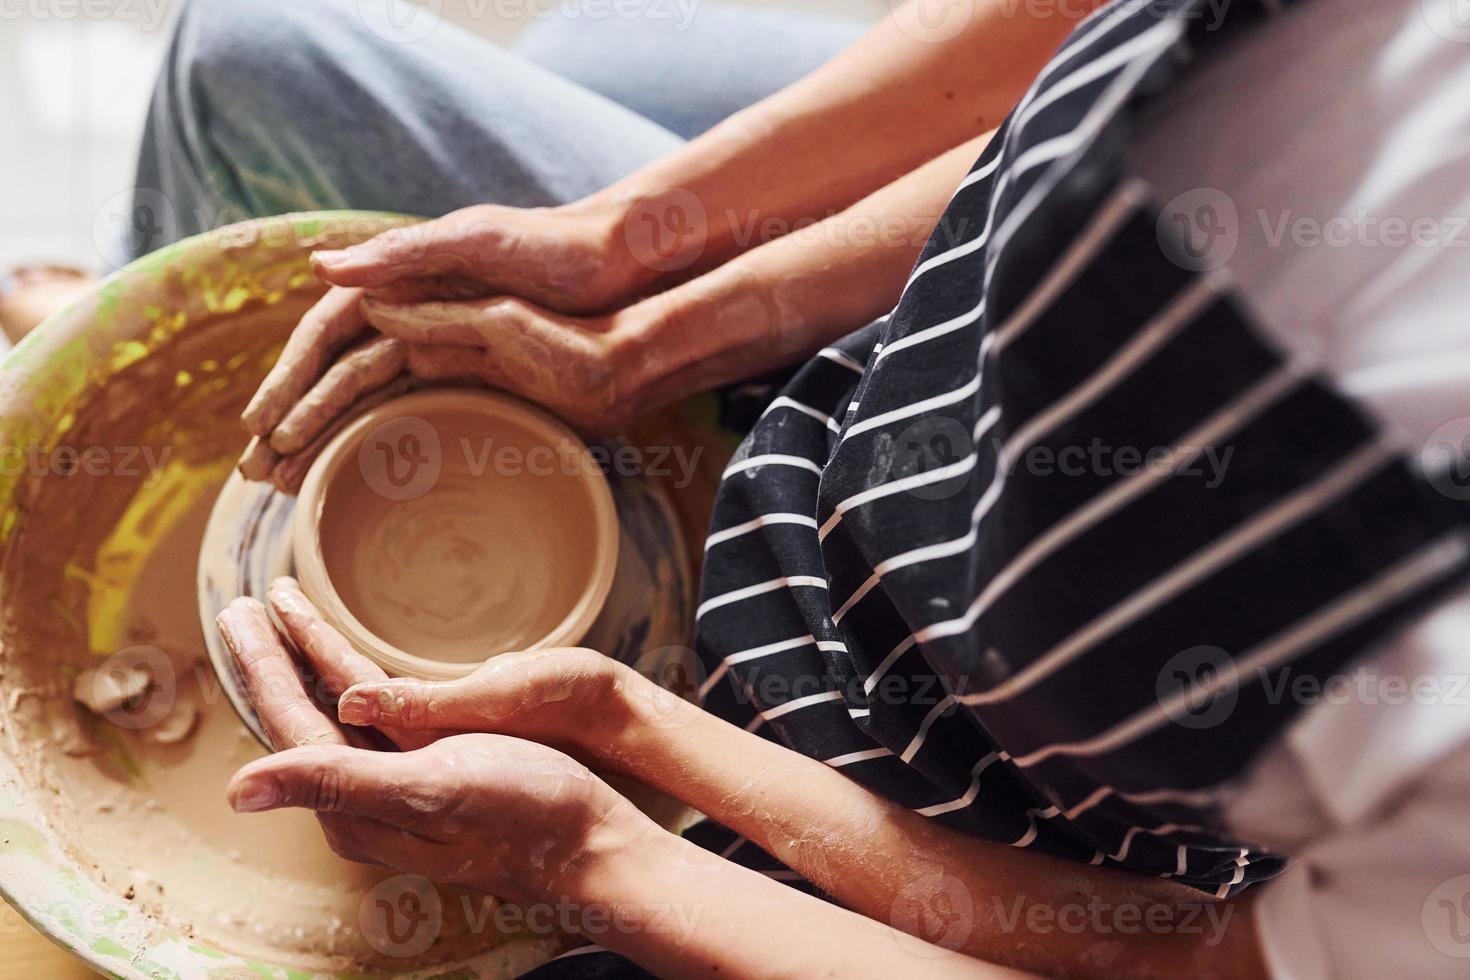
(572, 259)
(296, 706)
(571, 698)
(503, 815)
(575, 699)
(531, 301)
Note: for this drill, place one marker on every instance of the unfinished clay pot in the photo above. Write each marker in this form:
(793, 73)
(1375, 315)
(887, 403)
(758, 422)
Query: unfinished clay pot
(448, 526)
(120, 843)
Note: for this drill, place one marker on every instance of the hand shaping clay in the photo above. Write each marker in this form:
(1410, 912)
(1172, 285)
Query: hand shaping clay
(124, 801)
(131, 763)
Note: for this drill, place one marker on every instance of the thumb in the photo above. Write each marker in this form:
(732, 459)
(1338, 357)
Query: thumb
(431, 248)
(396, 788)
(506, 687)
(414, 704)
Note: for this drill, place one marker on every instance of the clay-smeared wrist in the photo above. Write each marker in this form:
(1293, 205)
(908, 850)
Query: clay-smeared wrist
(611, 214)
(645, 739)
(597, 868)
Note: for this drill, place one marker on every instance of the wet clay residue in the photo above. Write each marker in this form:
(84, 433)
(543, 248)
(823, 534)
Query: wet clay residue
(118, 725)
(491, 557)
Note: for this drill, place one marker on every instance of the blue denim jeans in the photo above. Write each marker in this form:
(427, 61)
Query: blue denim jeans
(269, 106)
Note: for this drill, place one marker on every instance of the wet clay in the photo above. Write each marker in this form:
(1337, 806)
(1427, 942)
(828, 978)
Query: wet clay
(155, 367)
(117, 723)
(491, 556)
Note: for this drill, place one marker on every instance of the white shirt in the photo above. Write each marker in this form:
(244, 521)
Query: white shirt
(1334, 145)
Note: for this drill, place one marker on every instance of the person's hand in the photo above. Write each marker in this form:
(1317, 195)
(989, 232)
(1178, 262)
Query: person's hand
(571, 698)
(511, 298)
(575, 699)
(501, 814)
(297, 706)
(572, 259)
(580, 369)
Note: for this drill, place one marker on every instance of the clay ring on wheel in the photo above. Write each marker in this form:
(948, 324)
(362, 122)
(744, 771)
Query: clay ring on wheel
(448, 526)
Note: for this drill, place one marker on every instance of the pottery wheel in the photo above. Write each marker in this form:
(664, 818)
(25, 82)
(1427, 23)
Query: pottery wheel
(645, 621)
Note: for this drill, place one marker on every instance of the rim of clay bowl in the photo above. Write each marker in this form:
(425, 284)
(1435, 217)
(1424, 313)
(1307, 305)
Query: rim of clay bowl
(311, 567)
(72, 352)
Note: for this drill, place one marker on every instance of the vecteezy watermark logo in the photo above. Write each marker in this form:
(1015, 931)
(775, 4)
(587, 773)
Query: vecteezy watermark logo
(604, 457)
(1099, 917)
(932, 911)
(1450, 19)
(1445, 458)
(88, 918)
(1200, 229)
(148, 14)
(402, 458)
(667, 231)
(1446, 917)
(1198, 688)
(1364, 229)
(678, 13)
(678, 675)
(133, 689)
(401, 916)
(134, 221)
(1097, 458)
(932, 21)
(89, 461)
(401, 22)
(573, 918)
(933, 454)
(1363, 685)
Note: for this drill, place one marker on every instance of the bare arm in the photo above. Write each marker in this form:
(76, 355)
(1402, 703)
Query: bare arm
(525, 822)
(547, 279)
(1015, 907)
(696, 914)
(1028, 910)
(921, 81)
(907, 91)
(765, 308)
(782, 301)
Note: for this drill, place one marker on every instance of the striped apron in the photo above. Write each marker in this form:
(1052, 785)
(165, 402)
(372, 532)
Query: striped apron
(1040, 553)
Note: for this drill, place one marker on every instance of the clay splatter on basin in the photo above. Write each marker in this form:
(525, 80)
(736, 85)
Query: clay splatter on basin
(119, 419)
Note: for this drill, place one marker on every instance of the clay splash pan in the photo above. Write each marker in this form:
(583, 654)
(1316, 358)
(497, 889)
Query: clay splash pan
(120, 845)
(448, 526)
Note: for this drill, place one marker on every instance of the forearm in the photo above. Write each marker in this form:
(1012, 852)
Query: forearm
(904, 93)
(875, 856)
(683, 911)
(781, 302)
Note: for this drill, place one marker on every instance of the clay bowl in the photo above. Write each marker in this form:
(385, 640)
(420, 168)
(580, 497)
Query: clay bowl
(447, 526)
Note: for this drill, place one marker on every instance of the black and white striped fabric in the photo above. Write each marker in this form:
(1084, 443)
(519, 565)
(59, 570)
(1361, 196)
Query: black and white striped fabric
(1035, 554)
(907, 579)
